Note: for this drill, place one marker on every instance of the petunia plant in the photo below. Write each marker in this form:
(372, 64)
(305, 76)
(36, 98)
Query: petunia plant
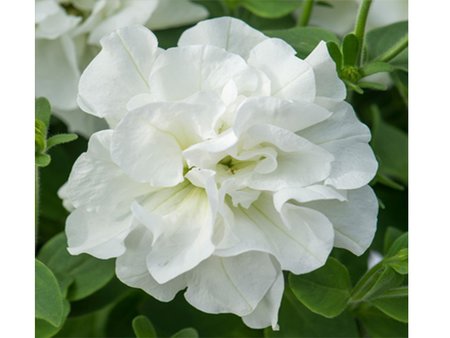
(244, 182)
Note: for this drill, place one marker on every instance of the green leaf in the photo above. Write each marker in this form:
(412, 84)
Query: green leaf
(380, 40)
(399, 262)
(394, 303)
(372, 85)
(296, 320)
(49, 300)
(88, 273)
(350, 49)
(390, 236)
(325, 291)
(335, 54)
(44, 329)
(43, 110)
(378, 325)
(143, 328)
(60, 138)
(303, 39)
(400, 243)
(388, 182)
(376, 67)
(270, 8)
(40, 132)
(186, 333)
(391, 147)
(42, 160)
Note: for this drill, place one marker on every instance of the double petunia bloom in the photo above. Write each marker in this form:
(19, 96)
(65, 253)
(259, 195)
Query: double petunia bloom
(227, 161)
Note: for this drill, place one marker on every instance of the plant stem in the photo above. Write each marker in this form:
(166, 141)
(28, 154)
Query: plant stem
(360, 26)
(36, 202)
(306, 13)
(396, 49)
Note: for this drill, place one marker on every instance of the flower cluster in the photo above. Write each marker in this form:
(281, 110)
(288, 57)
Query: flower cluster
(67, 38)
(227, 161)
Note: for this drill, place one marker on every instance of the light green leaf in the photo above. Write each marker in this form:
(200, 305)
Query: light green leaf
(88, 273)
(42, 110)
(143, 328)
(303, 39)
(40, 135)
(376, 67)
(391, 147)
(270, 9)
(394, 303)
(49, 300)
(296, 320)
(390, 236)
(335, 54)
(378, 325)
(399, 262)
(350, 49)
(42, 160)
(59, 139)
(380, 40)
(186, 333)
(325, 291)
(400, 243)
(44, 329)
(372, 85)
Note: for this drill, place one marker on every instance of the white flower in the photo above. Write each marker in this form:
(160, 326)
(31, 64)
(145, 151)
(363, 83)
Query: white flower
(229, 160)
(339, 16)
(67, 38)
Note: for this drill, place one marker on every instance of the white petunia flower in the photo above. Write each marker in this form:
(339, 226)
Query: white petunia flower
(228, 161)
(67, 38)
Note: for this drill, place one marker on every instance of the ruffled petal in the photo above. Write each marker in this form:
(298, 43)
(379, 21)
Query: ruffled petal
(354, 221)
(146, 153)
(131, 268)
(119, 72)
(299, 238)
(266, 313)
(291, 78)
(328, 83)
(95, 181)
(231, 34)
(233, 284)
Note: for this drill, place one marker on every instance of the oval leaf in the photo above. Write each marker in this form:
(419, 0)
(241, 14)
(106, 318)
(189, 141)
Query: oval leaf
(325, 291)
(49, 300)
(143, 328)
(186, 333)
(89, 274)
(271, 9)
(393, 303)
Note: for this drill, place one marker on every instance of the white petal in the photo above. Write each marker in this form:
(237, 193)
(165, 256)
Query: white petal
(307, 194)
(119, 72)
(181, 72)
(173, 13)
(328, 84)
(186, 220)
(56, 60)
(354, 164)
(133, 12)
(234, 284)
(131, 268)
(44, 9)
(99, 233)
(339, 17)
(291, 77)
(228, 33)
(95, 181)
(52, 23)
(300, 162)
(300, 238)
(290, 115)
(344, 136)
(146, 153)
(354, 221)
(266, 313)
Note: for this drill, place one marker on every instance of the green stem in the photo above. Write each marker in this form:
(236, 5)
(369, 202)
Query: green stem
(306, 13)
(366, 282)
(360, 26)
(396, 49)
(36, 202)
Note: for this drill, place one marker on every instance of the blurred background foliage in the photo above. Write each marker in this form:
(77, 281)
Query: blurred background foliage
(79, 296)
